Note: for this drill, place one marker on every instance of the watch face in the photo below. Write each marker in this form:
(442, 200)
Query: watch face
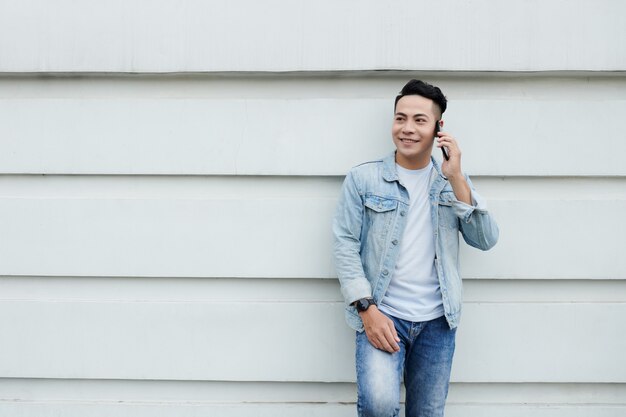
(363, 304)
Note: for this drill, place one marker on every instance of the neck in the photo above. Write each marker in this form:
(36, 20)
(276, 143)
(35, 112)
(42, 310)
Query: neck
(412, 163)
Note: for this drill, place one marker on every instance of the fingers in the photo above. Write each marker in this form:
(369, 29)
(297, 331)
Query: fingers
(451, 167)
(389, 338)
(394, 334)
(388, 342)
(448, 141)
(382, 343)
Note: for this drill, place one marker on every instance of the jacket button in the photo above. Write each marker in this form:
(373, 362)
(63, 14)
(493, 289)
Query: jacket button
(394, 242)
(385, 272)
(402, 213)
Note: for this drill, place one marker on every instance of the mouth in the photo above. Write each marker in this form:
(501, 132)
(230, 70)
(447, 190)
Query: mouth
(405, 140)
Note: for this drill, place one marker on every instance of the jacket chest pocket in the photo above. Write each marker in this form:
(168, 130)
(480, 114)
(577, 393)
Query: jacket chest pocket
(380, 204)
(380, 211)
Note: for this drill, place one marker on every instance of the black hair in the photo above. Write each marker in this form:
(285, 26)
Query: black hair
(420, 88)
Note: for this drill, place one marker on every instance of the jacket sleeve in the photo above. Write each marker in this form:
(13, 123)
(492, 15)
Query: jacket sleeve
(477, 225)
(347, 243)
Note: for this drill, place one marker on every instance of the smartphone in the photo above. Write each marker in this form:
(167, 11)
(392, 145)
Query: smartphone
(443, 148)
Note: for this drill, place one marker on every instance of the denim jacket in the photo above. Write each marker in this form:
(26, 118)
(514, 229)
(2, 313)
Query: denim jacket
(369, 223)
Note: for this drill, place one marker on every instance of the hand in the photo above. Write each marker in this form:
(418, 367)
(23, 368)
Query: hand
(380, 330)
(452, 167)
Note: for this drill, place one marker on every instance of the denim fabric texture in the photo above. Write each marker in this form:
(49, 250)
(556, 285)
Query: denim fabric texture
(424, 362)
(369, 223)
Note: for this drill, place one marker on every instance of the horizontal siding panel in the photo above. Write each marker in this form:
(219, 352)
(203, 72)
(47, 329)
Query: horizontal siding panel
(121, 409)
(194, 290)
(265, 228)
(35, 397)
(366, 85)
(233, 392)
(550, 239)
(229, 392)
(44, 408)
(165, 36)
(229, 341)
(318, 136)
(220, 238)
(549, 410)
(198, 188)
(196, 392)
(526, 342)
(296, 341)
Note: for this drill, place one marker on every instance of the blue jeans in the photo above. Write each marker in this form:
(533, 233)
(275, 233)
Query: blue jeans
(424, 360)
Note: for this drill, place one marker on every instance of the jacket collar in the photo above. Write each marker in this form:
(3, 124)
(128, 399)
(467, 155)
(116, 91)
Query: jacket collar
(390, 173)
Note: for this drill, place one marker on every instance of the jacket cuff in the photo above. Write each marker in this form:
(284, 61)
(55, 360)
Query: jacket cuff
(355, 289)
(464, 211)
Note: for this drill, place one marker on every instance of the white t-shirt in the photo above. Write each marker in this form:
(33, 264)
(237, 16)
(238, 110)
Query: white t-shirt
(413, 293)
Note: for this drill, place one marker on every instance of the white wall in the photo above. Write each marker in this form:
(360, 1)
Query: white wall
(275, 35)
(166, 237)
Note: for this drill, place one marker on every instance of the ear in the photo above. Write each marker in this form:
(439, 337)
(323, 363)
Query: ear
(441, 123)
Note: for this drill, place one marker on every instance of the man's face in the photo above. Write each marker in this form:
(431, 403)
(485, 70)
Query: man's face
(413, 130)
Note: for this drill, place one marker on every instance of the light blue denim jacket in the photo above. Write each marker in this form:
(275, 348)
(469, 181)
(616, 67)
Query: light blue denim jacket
(369, 223)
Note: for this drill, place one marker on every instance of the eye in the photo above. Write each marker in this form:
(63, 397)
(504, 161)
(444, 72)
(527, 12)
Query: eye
(399, 118)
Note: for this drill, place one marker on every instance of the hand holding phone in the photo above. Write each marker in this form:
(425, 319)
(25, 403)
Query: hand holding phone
(443, 148)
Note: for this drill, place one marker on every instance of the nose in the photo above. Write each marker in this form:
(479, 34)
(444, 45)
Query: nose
(409, 127)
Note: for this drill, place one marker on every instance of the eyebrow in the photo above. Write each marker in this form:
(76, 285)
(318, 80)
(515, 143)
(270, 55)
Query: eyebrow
(415, 115)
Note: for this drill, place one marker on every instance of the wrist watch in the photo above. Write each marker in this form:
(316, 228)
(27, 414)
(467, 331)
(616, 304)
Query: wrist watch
(363, 304)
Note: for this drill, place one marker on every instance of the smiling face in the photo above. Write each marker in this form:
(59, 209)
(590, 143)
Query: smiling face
(413, 130)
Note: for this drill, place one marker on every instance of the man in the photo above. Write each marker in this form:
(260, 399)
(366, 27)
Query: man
(396, 241)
